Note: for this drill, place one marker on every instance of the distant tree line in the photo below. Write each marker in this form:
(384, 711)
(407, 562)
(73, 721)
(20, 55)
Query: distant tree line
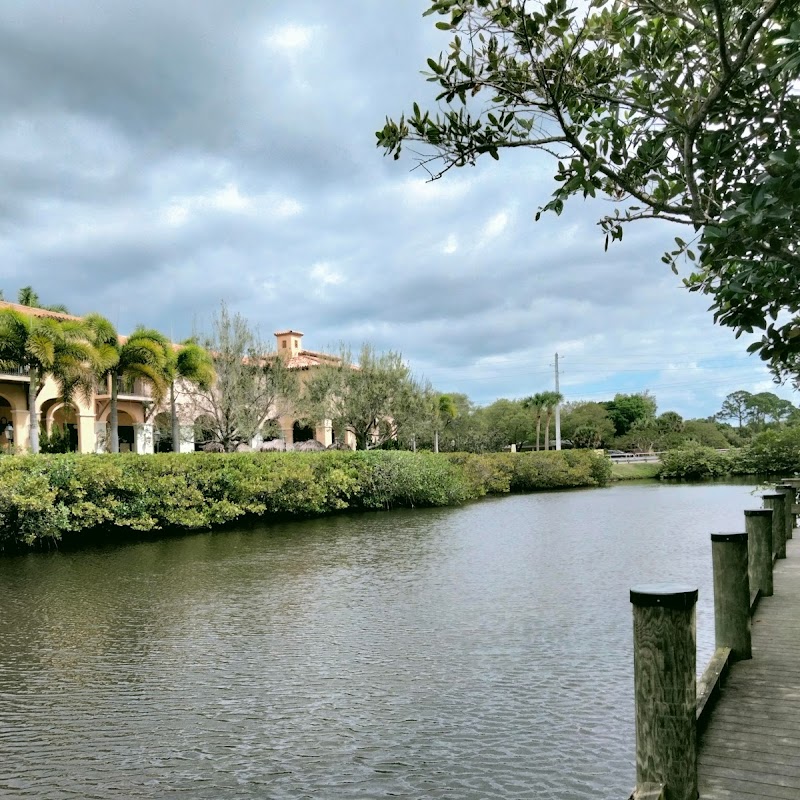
(241, 391)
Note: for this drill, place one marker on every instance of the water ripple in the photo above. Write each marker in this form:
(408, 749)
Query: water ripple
(482, 652)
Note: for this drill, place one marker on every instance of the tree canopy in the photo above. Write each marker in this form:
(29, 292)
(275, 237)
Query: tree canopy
(686, 111)
(248, 389)
(45, 346)
(626, 410)
(373, 399)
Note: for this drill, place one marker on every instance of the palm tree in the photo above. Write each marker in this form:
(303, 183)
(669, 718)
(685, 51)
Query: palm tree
(46, 346)
(445, 412)
(143, 355)
(537, 403)
(27, 297)
(190, 362)
(551, 400)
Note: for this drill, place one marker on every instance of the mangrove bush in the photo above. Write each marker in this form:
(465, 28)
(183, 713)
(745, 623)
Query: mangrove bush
(46, 498)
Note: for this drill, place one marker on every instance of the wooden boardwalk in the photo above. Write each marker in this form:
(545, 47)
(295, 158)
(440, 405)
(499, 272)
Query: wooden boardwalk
(751, 747)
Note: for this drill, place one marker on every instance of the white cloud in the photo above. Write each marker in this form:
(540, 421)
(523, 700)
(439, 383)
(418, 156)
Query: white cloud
(176, 215)
(323, 273)
(291, 37)
(416, 192)
(229, 198)
(450, 245)
(494, 226)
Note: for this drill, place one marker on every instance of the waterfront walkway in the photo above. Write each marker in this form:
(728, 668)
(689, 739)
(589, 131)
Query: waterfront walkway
(751, 747)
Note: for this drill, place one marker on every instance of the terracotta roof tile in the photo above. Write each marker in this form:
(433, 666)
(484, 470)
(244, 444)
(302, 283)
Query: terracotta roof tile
(36, 312)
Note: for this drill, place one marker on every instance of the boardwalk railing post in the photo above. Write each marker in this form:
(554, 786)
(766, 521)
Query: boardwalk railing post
(777, 502)
(758, 524)
(664, 658)
(731, 593)
(795, 482)
(791, 499)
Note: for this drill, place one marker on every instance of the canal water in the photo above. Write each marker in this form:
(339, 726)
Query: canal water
(470, 653)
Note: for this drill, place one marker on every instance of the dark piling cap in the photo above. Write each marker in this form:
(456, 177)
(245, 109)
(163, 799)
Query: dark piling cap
(665, 595)
(729, 537)
(772, 495)
(758, 512)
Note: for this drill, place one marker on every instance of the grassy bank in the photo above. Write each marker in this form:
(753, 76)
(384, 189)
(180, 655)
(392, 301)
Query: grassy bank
(49, 498)
(634, 472)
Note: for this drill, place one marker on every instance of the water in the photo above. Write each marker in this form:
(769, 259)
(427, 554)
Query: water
(472, 653)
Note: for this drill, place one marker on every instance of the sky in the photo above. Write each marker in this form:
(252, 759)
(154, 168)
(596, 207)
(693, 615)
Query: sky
(160, 157)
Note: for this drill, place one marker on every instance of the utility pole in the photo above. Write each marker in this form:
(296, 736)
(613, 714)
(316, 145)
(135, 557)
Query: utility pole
(558, 412)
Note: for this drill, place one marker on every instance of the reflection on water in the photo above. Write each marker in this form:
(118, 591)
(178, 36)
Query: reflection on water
(461, 653)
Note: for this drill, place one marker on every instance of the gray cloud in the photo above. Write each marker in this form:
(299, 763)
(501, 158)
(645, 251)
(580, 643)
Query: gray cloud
(157, 158)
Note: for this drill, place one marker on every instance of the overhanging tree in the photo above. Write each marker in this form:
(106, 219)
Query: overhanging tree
(686, 111)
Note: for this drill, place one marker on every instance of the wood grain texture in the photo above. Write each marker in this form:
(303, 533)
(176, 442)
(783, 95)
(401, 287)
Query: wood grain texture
(777, 502)
(758, 524)
(664, 657)
(791, 499)
(731, 595)
(750, 749)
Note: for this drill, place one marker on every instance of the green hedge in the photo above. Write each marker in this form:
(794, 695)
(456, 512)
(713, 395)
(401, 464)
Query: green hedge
(695, 463)
(50, 497)
(773, 452)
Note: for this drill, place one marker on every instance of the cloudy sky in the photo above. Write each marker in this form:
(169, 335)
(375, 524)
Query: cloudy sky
(161, 156)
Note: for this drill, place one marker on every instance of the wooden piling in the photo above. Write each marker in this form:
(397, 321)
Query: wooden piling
(758, 524)
(791, 498)
(777, 502)
(731, 594)
(664, 658)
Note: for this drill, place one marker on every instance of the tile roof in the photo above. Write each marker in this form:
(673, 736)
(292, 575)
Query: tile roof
(36, 312)
(309, 358)
(303, 359)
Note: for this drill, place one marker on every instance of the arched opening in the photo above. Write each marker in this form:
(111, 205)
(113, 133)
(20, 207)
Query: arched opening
(301, 432)
(162, 433)
(204, 431)
(64, 425)
(6, 432)
(127, 437)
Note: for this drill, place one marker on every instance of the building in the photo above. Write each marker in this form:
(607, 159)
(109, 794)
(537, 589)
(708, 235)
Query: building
(87, 418)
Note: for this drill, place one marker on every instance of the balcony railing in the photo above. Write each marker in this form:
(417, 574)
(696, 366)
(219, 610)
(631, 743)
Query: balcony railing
(128, 389)
(23, 373)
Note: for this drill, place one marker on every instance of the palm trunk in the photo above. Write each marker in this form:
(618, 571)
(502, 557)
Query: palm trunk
(176, 430)
(547, 432)
(436, 441)
(33, 432)
(538, 429)
(114, 415)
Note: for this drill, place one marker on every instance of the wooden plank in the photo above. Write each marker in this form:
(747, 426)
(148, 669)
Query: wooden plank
(708, 687)
(751, 746)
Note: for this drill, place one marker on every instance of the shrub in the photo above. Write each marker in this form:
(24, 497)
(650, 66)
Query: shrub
(770, 452)
(695, 462)
(48, 497)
